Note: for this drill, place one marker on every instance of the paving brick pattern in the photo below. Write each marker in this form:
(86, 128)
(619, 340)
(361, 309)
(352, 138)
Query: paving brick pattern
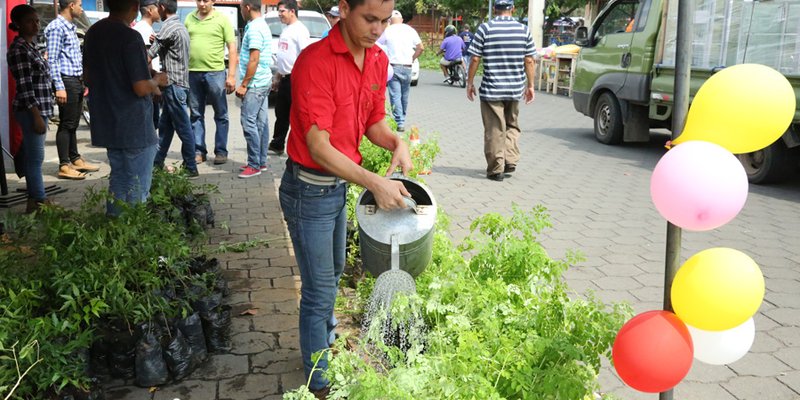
(598, 199)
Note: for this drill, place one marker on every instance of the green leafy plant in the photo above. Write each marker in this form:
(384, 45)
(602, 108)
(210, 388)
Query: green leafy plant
(500, 325)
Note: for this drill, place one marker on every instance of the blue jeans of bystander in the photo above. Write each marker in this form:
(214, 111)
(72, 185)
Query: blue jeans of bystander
(209, 88)
(33, 146)
(399, 86)
(174, 118)
(131, 175)
(255, 124)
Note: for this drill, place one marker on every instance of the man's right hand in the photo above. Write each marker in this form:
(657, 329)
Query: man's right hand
(61, 96)
(470, 92)
(161, 79)
(389, 194)
(276, 81)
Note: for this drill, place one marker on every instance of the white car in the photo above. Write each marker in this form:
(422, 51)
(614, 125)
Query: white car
(415, 72)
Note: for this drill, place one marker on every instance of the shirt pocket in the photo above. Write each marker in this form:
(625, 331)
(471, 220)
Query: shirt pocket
(344, 119)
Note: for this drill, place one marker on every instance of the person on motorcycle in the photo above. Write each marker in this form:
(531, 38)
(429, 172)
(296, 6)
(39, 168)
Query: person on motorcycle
(452, 48)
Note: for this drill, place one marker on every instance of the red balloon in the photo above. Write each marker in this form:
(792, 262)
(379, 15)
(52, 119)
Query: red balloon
(653, 351)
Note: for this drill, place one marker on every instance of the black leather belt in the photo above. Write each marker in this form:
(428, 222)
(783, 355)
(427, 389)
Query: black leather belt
(402, 65)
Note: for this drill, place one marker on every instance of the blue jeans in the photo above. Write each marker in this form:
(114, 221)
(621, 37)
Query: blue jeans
(317, 222)
(33, 146)
(399, 86)
(175, 118)
(131, 175)
(209, 87)
(255, 124)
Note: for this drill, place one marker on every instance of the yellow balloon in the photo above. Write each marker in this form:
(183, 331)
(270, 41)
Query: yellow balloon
(742, 108)
(717, 289)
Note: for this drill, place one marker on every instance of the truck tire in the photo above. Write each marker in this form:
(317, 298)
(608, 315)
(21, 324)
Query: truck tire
(774, 163)
(608, 120)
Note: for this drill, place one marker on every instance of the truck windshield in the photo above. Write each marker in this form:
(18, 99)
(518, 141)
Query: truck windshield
(619, 19)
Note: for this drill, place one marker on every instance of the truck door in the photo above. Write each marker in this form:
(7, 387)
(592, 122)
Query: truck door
(609, 55)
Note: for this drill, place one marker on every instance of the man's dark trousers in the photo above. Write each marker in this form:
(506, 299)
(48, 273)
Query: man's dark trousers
(283, 104)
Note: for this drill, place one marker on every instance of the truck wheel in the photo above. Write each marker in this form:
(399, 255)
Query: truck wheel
(774, 163)
(608, 120)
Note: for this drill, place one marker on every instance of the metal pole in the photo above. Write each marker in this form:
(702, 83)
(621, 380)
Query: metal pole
(683, 62)
(490, 10)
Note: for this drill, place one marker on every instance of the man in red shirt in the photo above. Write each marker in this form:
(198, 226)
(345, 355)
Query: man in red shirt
(334, 104)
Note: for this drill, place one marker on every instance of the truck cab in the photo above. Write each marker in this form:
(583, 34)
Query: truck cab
(625, 72)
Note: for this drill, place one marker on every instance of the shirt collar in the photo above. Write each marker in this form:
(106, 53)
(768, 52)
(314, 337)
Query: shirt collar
(66, 23)
(339, 46)
(504, 18)
(171, 18)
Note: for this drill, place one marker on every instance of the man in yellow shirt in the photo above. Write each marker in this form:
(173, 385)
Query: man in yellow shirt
(210, 32)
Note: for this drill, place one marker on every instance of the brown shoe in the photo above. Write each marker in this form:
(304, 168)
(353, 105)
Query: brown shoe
(220, 159)
(67, 172)
(200, 158)
(83, 166)
(35, 205)
(322, 394)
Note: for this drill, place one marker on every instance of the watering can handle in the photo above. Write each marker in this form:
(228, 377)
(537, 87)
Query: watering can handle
(395, 252)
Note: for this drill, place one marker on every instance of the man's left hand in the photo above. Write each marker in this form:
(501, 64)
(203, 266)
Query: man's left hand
(529, 95)
(470, 92)
(230, 85)
(241, 91)
(402, 158)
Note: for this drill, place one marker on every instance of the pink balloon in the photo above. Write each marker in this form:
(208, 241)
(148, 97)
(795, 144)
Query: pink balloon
(698, 186)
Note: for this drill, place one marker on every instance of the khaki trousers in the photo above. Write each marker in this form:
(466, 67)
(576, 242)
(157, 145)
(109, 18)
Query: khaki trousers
(500, 134)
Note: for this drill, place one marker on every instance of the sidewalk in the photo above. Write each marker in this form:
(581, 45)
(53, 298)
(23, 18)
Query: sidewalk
(265, 357)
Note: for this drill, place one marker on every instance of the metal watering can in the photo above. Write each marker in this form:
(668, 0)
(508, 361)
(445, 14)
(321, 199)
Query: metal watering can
(397, 239)
(396, 245)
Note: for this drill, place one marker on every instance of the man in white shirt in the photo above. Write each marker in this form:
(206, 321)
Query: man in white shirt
(149, 11)
(294, 38)
(403, 46)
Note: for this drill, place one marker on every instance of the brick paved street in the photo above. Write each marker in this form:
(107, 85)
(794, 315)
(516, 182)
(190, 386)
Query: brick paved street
(598, 197)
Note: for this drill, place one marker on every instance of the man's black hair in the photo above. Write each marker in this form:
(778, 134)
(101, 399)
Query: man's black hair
(255, 4)
(117, 6)
(170, 6)
(355, 3)
(64, 4)
(290, 5)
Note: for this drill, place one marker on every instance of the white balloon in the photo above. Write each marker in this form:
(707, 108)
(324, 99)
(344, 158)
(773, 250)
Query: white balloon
(723, 347)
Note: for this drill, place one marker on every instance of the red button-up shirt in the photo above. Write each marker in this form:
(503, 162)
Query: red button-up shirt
(329, 91)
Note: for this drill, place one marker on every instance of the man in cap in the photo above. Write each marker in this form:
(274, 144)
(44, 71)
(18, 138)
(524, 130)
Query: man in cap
(507, 50)
(403, 46)
(333, 17)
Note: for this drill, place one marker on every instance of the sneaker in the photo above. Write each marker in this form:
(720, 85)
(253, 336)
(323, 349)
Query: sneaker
(200, 158)
(81, 165)
(243, 167)
(509, 168)
(249, 172)
(192, 174)
(220, 159)
(278, 151)
(401, 129)
(447, 81)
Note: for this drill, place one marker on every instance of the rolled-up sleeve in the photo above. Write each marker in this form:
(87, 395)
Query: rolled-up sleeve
(314, 100)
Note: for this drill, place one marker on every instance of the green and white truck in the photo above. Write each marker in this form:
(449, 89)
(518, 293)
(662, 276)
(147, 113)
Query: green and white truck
(625, 72)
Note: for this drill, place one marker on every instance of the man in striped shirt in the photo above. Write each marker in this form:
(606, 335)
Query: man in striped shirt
(507, 50)
(172, 47)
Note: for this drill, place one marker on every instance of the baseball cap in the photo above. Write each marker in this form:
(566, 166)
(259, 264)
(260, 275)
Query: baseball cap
(145, 3)
(396, 14)
(334, 11)
(503, 4)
